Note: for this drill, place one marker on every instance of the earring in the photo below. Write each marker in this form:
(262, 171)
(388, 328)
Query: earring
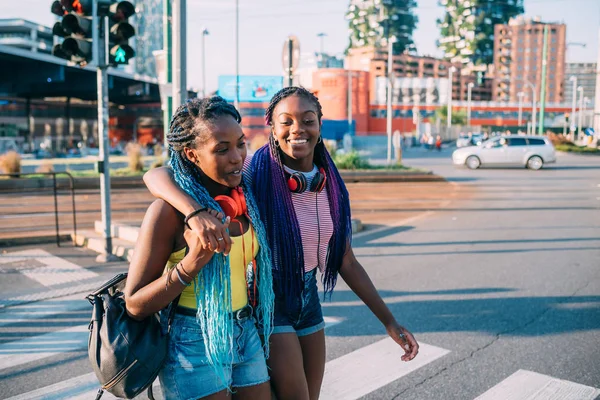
(320, 140)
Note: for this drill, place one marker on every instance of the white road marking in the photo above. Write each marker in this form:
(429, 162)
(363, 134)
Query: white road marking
(331, 321)
(55, 271)
(371, 367)
(82, 387)
(527, 385)
(38, 347)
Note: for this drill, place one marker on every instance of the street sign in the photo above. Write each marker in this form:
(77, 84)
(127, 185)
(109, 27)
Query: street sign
(291, 50)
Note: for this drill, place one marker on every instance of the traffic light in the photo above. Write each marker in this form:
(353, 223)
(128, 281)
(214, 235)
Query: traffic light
(75, 28)
(479, 78)
(120, 31)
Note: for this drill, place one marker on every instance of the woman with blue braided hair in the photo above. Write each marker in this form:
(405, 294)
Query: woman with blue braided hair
(215, 351)
(305, 208)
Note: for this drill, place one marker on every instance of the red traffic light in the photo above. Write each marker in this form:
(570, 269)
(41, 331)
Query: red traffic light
(121, 11)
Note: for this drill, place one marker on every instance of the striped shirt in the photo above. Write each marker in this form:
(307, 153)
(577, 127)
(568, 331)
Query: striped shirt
(314, 218)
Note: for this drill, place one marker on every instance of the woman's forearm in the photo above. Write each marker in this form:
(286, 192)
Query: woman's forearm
(161, 184)
(359, 282)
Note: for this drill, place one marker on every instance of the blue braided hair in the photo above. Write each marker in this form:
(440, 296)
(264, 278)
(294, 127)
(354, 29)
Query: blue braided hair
(279, 217)
(213, 285)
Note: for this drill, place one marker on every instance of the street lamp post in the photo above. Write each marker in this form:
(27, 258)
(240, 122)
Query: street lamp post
(520, 96)
(449, 122)
(469, 88)
(533, 98)
(321, 36)
(237, 54)
(586, 101)
(204, 34)
(573, 103)
(580, 90)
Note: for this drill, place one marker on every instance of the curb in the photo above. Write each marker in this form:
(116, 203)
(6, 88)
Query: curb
(28, 240)
(126, 182)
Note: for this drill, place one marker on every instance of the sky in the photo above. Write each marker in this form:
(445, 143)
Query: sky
(265, 24)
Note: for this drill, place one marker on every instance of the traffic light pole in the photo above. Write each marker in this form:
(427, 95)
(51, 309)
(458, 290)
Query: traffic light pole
(103, 159)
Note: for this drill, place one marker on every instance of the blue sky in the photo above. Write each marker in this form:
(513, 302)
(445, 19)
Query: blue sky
(264, 25)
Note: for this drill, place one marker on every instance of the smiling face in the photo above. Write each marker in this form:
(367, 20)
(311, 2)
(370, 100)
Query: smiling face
(219, 151)
(297, 128)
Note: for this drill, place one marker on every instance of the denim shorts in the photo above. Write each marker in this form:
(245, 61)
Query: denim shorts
(187, 373)
(306, 317)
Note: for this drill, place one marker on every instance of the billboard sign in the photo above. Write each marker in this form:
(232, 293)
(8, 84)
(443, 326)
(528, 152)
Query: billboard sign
(413, 90)
(253, 88)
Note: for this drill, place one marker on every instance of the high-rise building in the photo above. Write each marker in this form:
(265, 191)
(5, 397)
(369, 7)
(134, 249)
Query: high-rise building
(149, 35)
(467, 29)
(518, 58)
(586, 78)
(371, 22)
(26, 35)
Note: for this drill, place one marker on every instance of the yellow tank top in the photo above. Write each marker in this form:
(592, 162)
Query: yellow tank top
(239, 295)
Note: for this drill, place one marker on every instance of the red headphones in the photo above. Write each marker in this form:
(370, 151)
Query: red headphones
(297, 182)
(233, 205)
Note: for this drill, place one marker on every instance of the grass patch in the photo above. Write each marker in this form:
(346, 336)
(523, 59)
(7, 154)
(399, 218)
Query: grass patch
(571, 148)
(354, 162)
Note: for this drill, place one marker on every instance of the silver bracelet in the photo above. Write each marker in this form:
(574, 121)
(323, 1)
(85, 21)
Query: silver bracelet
(180, 278)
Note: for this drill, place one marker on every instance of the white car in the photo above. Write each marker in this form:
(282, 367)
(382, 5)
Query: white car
(511, 150)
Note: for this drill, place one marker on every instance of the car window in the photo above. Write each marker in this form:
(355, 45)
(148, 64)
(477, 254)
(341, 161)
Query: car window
(517, 142)
(493, 143)
(536, 142)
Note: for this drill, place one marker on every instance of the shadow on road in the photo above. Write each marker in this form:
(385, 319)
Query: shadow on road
(517, 316)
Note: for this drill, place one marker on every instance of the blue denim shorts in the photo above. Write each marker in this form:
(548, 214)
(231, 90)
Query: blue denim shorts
(187, 373)
(306, 317)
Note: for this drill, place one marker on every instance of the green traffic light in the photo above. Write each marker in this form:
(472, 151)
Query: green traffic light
(120, 55)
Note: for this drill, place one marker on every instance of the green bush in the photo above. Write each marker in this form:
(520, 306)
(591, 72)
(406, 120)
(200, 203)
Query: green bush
(350, 160)
(571, 148)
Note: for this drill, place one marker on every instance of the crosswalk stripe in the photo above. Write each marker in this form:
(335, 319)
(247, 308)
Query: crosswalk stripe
(354, 375)
(55, 271)
(35, 348)
(528, 385)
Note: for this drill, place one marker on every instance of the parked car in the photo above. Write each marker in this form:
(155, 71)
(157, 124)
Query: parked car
(463, 140)
(511, 150)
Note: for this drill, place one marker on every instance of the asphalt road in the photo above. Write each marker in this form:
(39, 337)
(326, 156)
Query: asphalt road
(499, 279)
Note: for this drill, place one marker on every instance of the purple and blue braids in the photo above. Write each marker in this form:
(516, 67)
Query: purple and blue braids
(279, 217)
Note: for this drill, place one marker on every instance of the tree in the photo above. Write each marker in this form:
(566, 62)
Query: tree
(370, 24)
(467, 28)
(459, 116)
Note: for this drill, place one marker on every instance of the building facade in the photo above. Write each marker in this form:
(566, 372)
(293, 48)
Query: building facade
(430, 73)
(467, 28)
(26, 35)
(371, 22)
(586, 78)
(518, 59)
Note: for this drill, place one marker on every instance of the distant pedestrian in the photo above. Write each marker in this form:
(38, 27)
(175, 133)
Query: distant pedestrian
(438, 143)
(305, 207)
(430, 142)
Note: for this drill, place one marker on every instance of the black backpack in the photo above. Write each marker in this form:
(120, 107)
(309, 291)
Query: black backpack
(126, 354)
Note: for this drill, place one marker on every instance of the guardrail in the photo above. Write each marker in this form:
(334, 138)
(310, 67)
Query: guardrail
(54, 190)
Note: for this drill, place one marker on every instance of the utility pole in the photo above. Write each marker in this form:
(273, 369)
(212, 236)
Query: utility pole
(179, 53)
(573, 105)
(543, 91)
(204, 34)
(580, 115)
(469, 88)
(390, 76)
(103, 154)
(167, 43)
(237, 54)
(520, 96)
(450, 85)
(350, 102)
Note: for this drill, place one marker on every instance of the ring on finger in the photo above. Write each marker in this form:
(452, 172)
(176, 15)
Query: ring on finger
(219, 239)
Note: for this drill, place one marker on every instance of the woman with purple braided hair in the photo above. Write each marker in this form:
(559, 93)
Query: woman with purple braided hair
(304, 206)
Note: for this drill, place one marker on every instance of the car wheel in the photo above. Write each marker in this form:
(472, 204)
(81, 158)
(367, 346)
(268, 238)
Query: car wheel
(535, 163)
(473, 162)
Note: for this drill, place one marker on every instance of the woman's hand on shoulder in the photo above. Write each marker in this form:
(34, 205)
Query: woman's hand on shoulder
(211, 233)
